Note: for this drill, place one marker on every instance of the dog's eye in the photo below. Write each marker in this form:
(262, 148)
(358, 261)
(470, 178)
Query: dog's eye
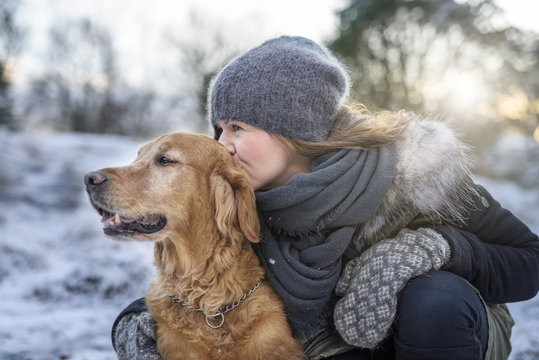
(164, 161)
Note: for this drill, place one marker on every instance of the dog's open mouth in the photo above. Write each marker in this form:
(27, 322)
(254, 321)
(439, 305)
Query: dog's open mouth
(116, 224)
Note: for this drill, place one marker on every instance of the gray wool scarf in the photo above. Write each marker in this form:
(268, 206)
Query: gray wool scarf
(308, 223)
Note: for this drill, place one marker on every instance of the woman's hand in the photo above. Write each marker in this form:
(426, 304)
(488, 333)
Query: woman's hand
(370, 283)
(133, 337)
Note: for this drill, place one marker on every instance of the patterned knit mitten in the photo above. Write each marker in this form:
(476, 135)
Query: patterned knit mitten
(134, 338)
(370, 283)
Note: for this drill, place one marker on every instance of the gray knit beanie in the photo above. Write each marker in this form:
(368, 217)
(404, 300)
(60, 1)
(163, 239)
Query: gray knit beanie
(288, 85)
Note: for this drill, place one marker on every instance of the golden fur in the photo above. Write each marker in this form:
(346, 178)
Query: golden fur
(203, 254)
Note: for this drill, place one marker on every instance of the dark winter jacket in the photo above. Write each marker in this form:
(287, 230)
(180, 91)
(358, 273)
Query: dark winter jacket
(495, 252)
(500, 260)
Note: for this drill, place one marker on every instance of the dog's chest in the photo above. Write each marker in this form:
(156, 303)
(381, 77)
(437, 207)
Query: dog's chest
(185, 334)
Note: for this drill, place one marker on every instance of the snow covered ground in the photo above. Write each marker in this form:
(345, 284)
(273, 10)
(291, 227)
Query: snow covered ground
(62, 282)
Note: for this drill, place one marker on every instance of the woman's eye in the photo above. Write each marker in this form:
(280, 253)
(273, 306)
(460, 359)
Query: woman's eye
(236, 127)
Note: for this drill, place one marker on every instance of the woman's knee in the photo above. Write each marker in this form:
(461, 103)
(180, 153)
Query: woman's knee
(441, 295)
(440, 310)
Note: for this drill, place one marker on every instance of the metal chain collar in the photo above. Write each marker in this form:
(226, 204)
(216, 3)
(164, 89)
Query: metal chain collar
(220, 314)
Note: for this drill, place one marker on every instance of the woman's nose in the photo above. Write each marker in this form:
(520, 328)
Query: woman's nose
(229, 145)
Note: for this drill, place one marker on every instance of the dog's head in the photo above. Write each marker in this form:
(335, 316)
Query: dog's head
(180, 185)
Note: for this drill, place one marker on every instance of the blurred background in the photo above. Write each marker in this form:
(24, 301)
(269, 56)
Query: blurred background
(141, 68)
(84, 82)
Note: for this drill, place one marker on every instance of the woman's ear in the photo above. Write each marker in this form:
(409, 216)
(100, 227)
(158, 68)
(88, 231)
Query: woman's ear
(235, 205)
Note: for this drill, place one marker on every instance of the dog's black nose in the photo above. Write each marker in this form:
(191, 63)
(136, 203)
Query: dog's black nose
(94, 179)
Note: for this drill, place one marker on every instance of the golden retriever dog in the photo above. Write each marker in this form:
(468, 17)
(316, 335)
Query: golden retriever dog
(209, 300)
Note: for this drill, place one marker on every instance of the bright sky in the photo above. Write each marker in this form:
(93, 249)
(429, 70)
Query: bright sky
(138, 25)
(521, 13)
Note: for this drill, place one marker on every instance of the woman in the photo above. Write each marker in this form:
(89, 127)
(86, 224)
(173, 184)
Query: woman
(359, 213)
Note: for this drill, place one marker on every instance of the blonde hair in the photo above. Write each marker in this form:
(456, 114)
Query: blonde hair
(354, 128)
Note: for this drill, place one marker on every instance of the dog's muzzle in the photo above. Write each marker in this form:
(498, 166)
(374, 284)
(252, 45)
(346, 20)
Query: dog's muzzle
(115, 221)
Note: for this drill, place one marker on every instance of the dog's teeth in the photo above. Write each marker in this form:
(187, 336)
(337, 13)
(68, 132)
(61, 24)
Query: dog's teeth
(117, 219)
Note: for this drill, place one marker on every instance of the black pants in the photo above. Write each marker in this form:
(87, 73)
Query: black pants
(439, 316)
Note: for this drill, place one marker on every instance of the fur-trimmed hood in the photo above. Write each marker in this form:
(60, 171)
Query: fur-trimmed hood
(432, 178)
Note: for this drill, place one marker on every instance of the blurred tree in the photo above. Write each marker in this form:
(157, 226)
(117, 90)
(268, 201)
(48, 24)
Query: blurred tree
(201, 54)
(443, 56)
(82, 90)
(10, 43)
(83, 62)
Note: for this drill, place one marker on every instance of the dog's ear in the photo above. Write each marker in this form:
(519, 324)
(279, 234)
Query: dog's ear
(235, 205)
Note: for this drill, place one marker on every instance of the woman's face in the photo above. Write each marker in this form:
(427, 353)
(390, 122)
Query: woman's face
(268, 162)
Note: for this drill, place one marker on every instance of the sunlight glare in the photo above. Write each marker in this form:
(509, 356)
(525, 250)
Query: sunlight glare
(467, 90)
(9, 67)
(514, 106)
